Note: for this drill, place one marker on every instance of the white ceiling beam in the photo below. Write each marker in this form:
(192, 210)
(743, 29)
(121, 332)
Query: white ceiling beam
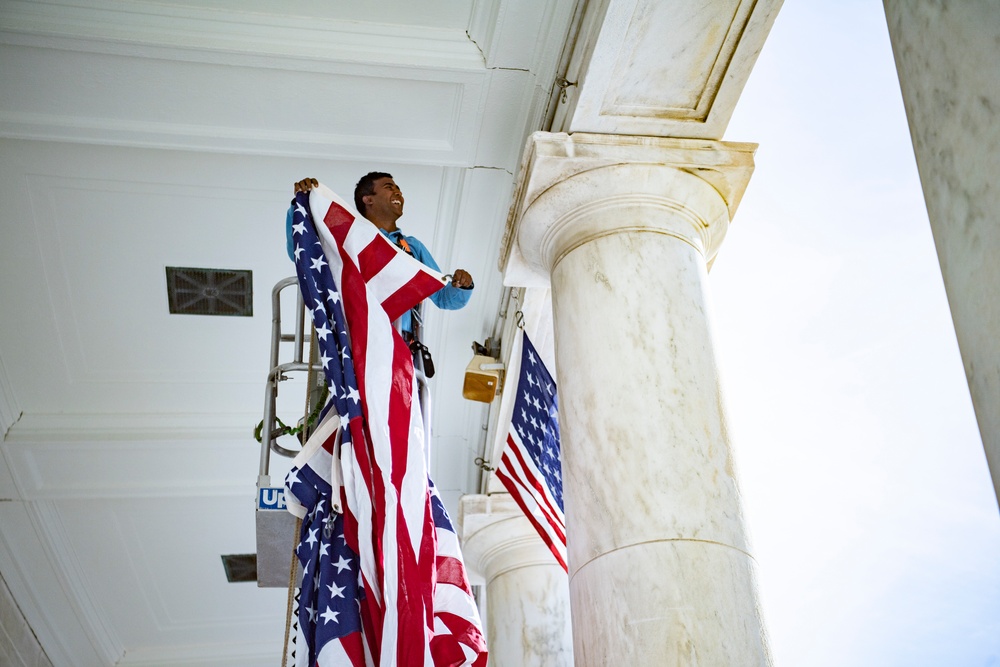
(110, 27)
(160, 468)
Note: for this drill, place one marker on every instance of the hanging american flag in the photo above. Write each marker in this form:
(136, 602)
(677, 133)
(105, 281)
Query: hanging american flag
(529, 467)
(383, 579)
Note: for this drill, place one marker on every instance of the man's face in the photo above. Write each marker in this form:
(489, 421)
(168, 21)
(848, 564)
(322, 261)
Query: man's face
(386, 202)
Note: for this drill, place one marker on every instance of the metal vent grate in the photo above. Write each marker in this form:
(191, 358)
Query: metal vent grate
(209, 291)
(240, 567)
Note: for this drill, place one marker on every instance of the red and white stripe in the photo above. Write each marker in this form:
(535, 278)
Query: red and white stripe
(523, 480)
(385, 476)
(457, 628)
(526, 484)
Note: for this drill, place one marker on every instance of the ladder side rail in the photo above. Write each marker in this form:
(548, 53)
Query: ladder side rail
(268, 431)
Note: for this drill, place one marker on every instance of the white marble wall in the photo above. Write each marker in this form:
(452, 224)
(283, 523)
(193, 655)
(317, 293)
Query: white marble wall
(948, 59)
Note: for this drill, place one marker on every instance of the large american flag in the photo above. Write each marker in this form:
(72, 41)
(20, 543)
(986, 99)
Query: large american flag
(529, 467)
(383, 580)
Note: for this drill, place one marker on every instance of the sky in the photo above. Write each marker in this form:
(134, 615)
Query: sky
(865, 487)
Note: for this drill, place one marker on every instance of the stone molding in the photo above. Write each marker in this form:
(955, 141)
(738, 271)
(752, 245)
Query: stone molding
(663, 68)
(165, 468)
(497, 538)
(106, 26)
(575, 188)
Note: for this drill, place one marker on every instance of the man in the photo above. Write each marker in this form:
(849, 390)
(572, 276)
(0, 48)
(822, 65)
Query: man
(414, 604)
(378, 198)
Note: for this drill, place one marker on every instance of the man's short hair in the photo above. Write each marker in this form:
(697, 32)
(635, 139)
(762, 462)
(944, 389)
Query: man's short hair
(366, 186)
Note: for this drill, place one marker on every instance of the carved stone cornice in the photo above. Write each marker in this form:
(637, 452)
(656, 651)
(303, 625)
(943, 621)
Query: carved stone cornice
(665, 68)
(570, 188)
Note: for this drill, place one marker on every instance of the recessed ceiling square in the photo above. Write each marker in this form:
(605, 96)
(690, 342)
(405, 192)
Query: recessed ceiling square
(240, 567)
(209, 291)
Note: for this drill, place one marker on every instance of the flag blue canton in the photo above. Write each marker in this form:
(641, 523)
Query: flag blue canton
(329, 605)
(536, 418)
(438, 510)
(319, 291)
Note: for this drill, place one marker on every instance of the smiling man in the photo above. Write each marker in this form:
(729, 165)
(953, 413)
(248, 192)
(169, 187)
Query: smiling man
(379, 199)
(414, 604)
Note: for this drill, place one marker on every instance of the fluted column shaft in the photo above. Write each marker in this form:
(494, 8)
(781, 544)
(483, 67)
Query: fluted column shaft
(660, 571)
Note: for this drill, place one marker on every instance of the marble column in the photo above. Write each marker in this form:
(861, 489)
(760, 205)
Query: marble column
(527, 594)
(946, 54)
(623, 228)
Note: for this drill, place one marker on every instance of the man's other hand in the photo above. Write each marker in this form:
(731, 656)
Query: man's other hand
(306, 184)
(461, 278)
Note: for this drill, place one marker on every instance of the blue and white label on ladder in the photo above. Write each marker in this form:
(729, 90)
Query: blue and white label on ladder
(271, 498)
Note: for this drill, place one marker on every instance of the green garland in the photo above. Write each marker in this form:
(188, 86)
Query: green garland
(290, 430)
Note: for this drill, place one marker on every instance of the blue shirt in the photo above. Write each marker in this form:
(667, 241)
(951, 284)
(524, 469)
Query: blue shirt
(446, 298)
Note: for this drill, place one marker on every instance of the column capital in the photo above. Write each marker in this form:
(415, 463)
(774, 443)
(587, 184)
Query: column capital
(576, 187)
(497, 537)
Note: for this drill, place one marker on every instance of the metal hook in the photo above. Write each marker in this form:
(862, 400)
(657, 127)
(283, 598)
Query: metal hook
(518, 314)
(484, 464)
(564, 83)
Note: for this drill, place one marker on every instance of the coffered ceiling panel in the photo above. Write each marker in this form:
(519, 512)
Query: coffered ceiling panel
(100, 98)
(91, 230)
(151, 575)
(161, 589)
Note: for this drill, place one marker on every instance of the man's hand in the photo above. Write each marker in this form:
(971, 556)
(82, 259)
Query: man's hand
(306, 184)
(461, 278)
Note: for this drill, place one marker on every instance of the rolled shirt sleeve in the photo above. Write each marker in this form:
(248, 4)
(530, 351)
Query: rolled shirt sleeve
(289, 241)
